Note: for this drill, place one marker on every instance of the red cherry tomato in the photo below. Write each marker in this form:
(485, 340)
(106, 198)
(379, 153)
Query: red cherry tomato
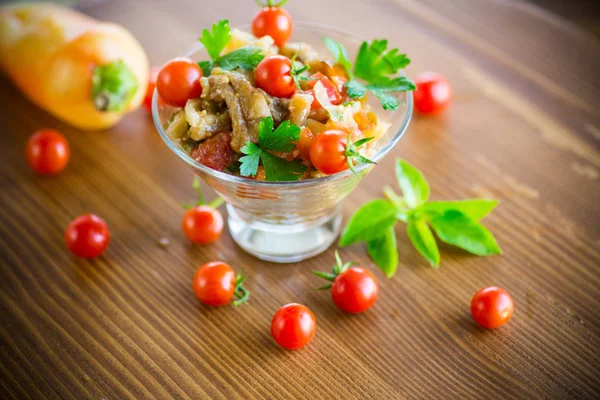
(354, 290)
(492, 307)
(214, 283)
(275, 22)
(273, 76)
(328, 151)
(293, 326)
(47, 152)
(332, 93)
(178, 81)
(202, 224)
(87, 236)
(150, 88)
(433, 93)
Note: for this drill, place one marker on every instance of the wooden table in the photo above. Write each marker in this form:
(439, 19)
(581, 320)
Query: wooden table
(524, 127)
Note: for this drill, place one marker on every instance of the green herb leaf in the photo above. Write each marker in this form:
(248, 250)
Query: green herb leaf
(368, 222)
(384, 253)
(339, 53)
(474, 209)
(215, 41)
(414, 187)
(457, 229)
(245, 58)
(382, 89)
(355, 89)
(421, 237)
(374, 62)
(249, 163)
(281, 139)
(206, 67)
(280, 170)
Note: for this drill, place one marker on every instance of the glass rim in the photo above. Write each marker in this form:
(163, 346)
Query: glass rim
(321, 28)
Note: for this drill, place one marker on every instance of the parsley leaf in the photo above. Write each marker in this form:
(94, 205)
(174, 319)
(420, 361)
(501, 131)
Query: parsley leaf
(279, 170)
(246, 58)
(377, 66)
(281, 139)
(374, 62)
(215, 41)
(249, 163)
(339, 53)
(206, 67)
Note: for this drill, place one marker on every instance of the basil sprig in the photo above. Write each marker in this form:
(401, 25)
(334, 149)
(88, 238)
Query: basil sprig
(454, 222)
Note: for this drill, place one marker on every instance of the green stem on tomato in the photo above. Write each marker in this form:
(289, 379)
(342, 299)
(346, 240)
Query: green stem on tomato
(242, 294)
(216, 203)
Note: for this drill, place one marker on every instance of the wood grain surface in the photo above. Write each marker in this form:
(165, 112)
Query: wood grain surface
(524, 127)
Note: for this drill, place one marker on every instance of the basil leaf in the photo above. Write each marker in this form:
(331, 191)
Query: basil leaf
(459, 230)
(384, 253)
(421, 237)
(414, 187)
(474, 209)
(369, 221)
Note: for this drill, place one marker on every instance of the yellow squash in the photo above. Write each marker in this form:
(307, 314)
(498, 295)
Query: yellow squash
(85, 72)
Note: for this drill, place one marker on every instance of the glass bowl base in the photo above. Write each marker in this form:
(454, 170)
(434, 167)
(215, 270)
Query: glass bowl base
(284, 243)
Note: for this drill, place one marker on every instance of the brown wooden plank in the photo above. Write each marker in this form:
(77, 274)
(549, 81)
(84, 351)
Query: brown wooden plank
(523, 128)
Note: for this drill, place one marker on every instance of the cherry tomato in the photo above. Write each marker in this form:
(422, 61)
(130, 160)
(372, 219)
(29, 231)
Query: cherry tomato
(492, 307)
(354, 290)
(433, 93)
(150, 88)
(47, 152)
(275, 22)
(328, 151)
(293, 326)
(273, 76)
(87, 236)
(202, 224)
(178, 81)
(214, 283)
(332, 93)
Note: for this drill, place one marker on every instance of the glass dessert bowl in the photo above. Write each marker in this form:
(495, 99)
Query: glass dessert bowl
(289, 221)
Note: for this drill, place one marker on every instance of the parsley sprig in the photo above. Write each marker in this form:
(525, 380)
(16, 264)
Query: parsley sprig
(281, 139)
(377, 66)
(454, 222)
(215, 41)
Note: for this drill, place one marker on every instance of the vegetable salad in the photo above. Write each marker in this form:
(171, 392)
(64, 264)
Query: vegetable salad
(280, 113)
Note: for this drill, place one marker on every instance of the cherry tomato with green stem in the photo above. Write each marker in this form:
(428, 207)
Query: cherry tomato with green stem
(492, 307)
(274, 21)
(273, 75)
(215, 283)
(87, 236)
(293, 326)
(178, 81)
(331, 151)
(202, 223)
(47, 152)
(433, 93)
(353, 289)
(150, 88)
